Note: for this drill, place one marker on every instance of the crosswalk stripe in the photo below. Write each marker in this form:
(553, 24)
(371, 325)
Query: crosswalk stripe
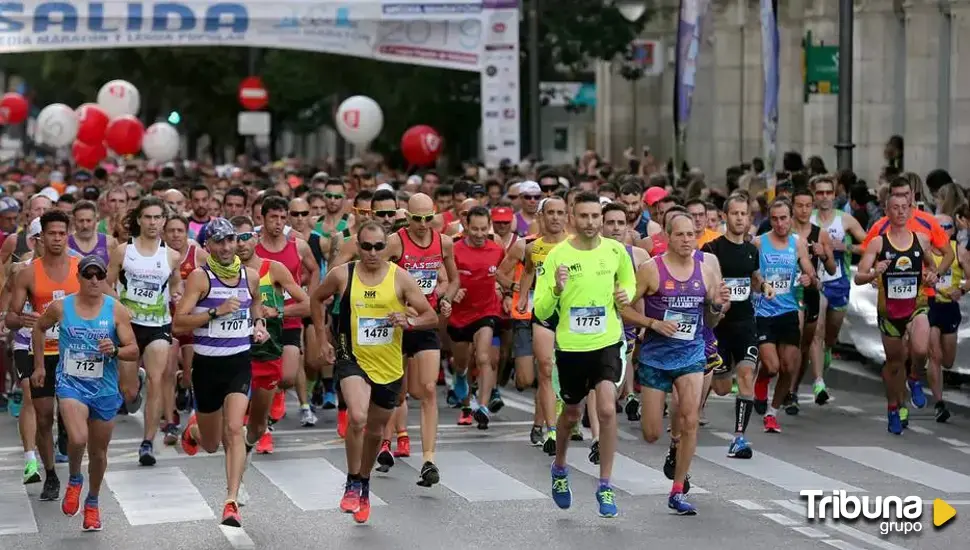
(16, 514)
(904, 467)
(157, 495)
(799, 508)
(841, 544)
(628, 474)
(310, 483)
(774, 471)
(476, 481)
(810, 532)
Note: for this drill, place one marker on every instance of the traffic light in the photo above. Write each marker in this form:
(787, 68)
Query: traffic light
(174, 118)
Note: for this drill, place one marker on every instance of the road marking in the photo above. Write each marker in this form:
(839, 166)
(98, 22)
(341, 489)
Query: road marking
(16, 513)
(310, 483)
(723, 435)
(799, 508)
(628, 474)
(749, 504)
(841, 544)
(774, 471)
(157, 495)
(919, 429)
(850, 409)
(904, 467)
(476, 481)
(954, 442)
(810, 532)
(781, 519)
(237, 537)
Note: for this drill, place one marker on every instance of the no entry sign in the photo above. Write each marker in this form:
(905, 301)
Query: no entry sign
(252, 94)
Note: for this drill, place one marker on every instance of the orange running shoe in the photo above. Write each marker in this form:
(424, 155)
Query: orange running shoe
(363, 510)
(189, 445)
(71, 504)
(230, 514)
(403, 447)
(465, 417)
(278, 409)
(342, 421)
(265, 444)
(351, 499)
(92, 518)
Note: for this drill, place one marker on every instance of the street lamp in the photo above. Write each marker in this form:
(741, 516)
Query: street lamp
(631, 10)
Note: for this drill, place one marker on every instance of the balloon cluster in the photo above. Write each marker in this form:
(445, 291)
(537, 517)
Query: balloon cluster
(110, 124)
(359, 120)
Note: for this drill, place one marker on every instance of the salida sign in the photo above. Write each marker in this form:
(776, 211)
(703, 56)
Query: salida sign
(98, 17)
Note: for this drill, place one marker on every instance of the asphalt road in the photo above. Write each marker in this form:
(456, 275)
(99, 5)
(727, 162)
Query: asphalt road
(495, 488)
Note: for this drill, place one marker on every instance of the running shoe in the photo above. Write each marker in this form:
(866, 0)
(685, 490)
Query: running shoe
(342, 420)
(277, 409)
(495, 402)
(549, 445)
(92, 518)
(821, 392)
(771, 424)
(670, 462)
(189, 445)
(71, 503)
(465, 417)
(362, 513)
(895, 424)
(740, 448)
(385, 459)
(481, 417)
(4, 403)
(791, 404)
(15, 403)
(351, 499)
(678, 503)
(452, 398)
(594, 453)
(403, 449)
(460, 386)
(904, 416)
(917, 397)
(607, 501)
(171, 432)
(307, 418)
(31, 472)
(562, 495)
(265, 444)
(941, 413)
(535, 436)
(52, 488)
(146, 454)
(230, 514)
(316, 395)
(429, 475)
(329, 400)
(632, 408)
(576, 434)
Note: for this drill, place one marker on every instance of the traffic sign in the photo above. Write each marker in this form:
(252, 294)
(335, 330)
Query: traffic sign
(254, 124)
(252, 94)
(821, 68)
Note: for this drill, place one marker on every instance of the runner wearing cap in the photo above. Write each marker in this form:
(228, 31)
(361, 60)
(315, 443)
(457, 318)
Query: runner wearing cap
(9, 212)
(97, 332)
(529, 196)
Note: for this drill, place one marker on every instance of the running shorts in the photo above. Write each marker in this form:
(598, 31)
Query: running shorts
(416, 341)
(737, 343)
(582, 371)
(896, 328)
(145, 335)
(837, 293)
(384, 396)
(779, 330)
(215, 378)
(467, 332)
(102, 407)
(521, 338)
(662, 379)
(292, 337)
(945, 316)
(23, 361)
(267, 374)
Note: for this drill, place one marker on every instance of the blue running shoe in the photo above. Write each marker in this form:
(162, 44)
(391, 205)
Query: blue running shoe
(916, 393)
(61, 458)
(678, 503)
(562, 495)
(329, 400)
(740, 448)
(461, 387)
(895, 424)
(607, 500)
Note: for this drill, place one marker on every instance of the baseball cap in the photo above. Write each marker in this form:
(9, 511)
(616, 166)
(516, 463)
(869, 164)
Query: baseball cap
(92, 260)
(91, 193)
(34, 228)
(385, 187)
(50, 193)
(218, 229)
(320, 176)
(476, 189)
(9, 204)
(654, 195)
(529, 187)
(502, 214)
(56, 176)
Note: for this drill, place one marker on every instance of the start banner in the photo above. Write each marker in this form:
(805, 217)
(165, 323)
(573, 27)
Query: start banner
(448, 34)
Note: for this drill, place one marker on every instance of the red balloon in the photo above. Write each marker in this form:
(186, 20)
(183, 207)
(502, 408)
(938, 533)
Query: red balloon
(87, 155)
(93, 123)
(124, 135)
(421, 145)
(13, 108)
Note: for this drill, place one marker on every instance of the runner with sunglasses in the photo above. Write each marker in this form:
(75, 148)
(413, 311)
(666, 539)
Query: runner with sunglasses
(335, 220)
(423, 251)
(97, 333)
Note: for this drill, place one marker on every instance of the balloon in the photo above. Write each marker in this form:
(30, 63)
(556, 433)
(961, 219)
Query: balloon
(57, 125)
(359, 119)
(124, 135)
(93, 123)
(421, 145)
(161, 142)
(119, 98)
(87, 155)
(13, 108)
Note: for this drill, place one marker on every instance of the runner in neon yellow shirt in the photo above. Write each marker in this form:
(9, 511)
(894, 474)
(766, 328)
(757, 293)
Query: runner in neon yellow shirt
(586, 280)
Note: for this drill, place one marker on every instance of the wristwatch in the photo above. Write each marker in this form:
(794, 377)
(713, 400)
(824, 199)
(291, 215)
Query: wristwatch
(114, 351)
(410, 321)
(212, 313)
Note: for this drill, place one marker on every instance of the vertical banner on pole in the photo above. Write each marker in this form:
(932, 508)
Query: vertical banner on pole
(769, 58)
(692, 14)
(500, 88)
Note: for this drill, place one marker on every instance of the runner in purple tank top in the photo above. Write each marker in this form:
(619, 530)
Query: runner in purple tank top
(86, 240)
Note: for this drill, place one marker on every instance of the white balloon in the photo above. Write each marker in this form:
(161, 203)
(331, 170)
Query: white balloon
(119, 98)
(359, 119)
(161, 142)
(57, 125)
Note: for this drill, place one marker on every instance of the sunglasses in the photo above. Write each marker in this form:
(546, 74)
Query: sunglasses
(300, 214)
(512, 197)
(421, 217)
(244, 237)
(94, 274)
(548, 188)
(531, 197)
(333, 195)
(362, 211)
(385, 213)
(367, 247)
(946, 226)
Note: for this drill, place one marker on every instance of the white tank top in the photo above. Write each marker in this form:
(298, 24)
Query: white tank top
(836, 233)
(143, 285)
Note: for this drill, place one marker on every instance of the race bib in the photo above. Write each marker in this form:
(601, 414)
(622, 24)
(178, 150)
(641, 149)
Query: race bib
(374, 332)
(143, 292)
(427, 279)
(84, 364)
(587, 320)
(740, 288)
(233, 325)
(781, 282)
(825, 274)
(901, 288)
(686, 324)
(945, 280)
(54, 332)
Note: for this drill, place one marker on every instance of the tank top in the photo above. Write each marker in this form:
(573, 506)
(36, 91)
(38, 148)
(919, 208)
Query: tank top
(683, 303)
(808, 295)
(837, 233)
(477, 268)
(340, 228)
(521, 225)
(422, 263)
(100, 247)
(143, 285)
(81, 366)
(519, 268)
(21, 247)
(362, 332)
(659, 241)
(272, 298)
(47, 290)
(738, 262)
(899, 286)
(951, 279)
(630, 331)
(779, 268)
(188, 265)
(289, 256)
(227, 334)
(195, 228)
(317, 252)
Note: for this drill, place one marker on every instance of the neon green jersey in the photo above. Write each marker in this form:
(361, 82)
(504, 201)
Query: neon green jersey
(588, 319)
